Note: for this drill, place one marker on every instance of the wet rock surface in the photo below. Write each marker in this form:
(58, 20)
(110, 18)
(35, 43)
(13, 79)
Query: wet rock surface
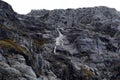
(71, 44)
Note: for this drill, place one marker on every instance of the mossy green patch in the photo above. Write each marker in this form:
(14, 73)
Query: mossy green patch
(88, 72)
(40, 42)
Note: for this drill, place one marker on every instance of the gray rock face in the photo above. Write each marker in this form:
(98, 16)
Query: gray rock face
(71, 44)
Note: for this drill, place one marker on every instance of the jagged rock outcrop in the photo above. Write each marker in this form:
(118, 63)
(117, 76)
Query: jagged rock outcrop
(71, 44)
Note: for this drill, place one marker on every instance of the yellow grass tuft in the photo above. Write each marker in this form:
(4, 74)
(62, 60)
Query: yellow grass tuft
(88, 72)
(7, 43)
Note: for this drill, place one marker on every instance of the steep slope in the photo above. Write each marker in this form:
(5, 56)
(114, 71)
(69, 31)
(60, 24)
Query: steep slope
(71, 44)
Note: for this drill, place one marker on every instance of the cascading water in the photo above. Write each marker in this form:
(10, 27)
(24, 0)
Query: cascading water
(59, 40)
(62, 41)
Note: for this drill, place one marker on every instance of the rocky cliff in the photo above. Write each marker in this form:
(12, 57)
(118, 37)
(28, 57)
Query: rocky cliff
(71, 44)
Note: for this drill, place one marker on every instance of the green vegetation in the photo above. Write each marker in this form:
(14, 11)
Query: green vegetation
(88, 72)
(7, 43)
(40, 42)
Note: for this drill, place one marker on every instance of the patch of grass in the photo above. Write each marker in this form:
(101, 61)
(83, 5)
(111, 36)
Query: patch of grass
(40, 42)
(88, 72)
(7, 43)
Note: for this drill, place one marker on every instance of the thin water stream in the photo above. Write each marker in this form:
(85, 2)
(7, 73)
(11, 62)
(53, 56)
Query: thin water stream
(59, 40)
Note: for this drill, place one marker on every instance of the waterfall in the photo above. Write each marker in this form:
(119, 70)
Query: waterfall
(59, 40)
(62, 41)
(55, 49)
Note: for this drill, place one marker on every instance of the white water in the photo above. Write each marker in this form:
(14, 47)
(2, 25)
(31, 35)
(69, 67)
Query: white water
(64, 43)
(59, 40)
